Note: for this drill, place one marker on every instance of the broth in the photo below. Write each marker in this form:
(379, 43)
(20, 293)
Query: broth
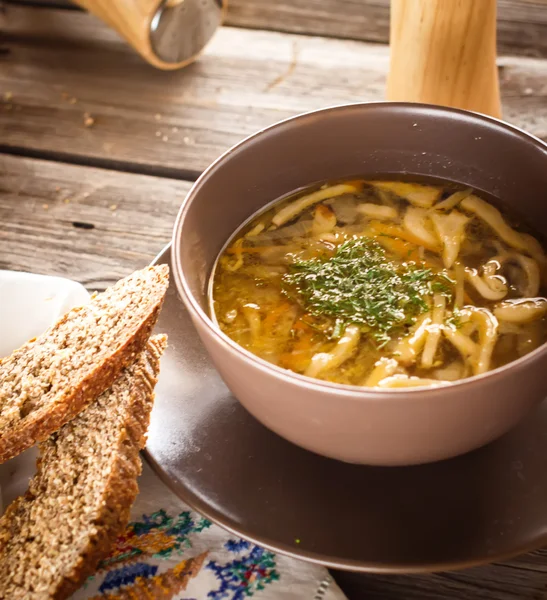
(383, 284)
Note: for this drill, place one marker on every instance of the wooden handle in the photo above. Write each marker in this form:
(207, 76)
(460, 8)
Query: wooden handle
(131, 19)
(182, 28)
(444, 52)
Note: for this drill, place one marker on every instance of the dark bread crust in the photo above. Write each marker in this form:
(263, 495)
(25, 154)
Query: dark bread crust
(39, 425)
(122, 485)
(120, 489)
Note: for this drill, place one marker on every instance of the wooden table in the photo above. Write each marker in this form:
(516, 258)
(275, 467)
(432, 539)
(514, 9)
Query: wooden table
(97, 150)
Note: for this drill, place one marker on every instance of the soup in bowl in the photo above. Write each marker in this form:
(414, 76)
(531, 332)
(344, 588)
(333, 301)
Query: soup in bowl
(390, 318)
(385, 284)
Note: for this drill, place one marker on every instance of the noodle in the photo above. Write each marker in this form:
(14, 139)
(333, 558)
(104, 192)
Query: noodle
(383, 284)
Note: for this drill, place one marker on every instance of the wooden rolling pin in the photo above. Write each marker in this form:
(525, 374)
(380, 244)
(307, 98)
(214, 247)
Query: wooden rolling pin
(169, 34)
(444, 52)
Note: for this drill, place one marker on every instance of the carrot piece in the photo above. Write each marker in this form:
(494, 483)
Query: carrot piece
(400, 248)
(397, 232)
(404, 250)
(303, 342)
(358, 183)
(299, 358)
(274, 314)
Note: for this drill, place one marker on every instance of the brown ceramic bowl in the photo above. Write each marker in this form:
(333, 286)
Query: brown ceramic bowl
(359, 425)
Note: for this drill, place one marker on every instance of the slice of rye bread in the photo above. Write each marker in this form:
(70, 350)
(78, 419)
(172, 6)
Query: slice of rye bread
(48, 381)
(79, 501)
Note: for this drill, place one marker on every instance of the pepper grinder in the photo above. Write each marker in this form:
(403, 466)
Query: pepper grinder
(169, 34)
(444, 52)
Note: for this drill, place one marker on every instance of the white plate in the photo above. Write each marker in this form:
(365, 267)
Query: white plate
(29, 304)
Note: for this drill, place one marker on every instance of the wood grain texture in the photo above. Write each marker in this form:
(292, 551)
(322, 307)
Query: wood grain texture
(445, 53)
(91, 225)
(523, 578)
(131, 18)
(132, 216)
(522, 24)
(96, 225)
(63, 65)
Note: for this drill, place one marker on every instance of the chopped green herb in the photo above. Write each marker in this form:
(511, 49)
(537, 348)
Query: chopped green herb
(454, 320)
(312, 326)
(360, 285)
(297, 541)
(443, 284)
(339, 327)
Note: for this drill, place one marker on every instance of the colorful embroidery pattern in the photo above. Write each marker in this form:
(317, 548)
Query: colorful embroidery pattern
(157, 535)
(160, 587)
(132, 575)
(245, 575)
(126, 575)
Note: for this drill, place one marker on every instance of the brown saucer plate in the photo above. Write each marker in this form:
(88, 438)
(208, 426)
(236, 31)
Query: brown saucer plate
(478, 508)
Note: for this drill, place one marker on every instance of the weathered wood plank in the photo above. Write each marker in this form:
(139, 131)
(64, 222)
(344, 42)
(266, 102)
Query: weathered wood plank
(523, 578)
(507, 581)
(132, 216)
(64, 64)
(236, 88)
(522, 25)
(91, 225)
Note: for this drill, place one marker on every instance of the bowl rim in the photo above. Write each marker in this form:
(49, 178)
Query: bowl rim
(351, 391)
